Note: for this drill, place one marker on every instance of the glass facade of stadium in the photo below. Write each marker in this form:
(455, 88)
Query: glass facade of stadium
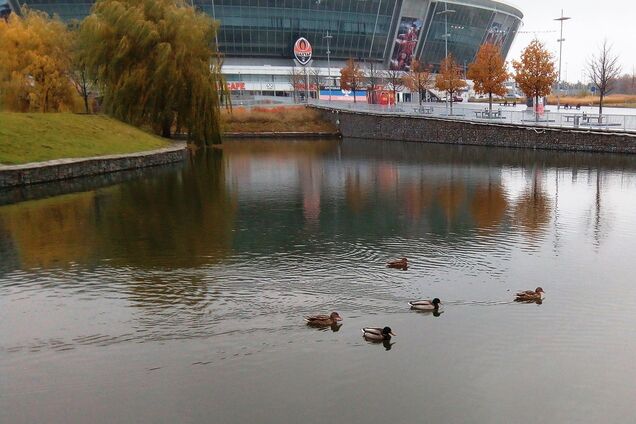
(257, 36)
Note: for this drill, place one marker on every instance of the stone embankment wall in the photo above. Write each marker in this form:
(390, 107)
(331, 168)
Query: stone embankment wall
(380, 126)
(61, 169)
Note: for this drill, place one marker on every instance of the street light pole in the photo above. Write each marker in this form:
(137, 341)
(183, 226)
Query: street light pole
(560, 40)
(328, 37)
(216, 33)
(375, 26)
(446, 12)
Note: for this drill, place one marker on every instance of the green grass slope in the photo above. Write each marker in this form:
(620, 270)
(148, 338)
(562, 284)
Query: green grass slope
(36, 137)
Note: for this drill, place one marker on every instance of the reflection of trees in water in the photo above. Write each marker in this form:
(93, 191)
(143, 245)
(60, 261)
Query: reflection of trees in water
(489, 205)
(445, 203)
(417, 197)
(178, 219)
(533, 208)
(387, 177)
(356, 191)
(52, 232)
(310, 176)
(599, 218)
(183, 219)
(451, 196)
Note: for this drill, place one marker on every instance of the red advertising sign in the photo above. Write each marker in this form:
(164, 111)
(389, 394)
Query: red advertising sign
(235, 86)
(302, 51)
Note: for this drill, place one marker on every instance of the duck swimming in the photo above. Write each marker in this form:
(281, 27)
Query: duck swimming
(401, 263)
(377, 334)
(323, 320)
(529, 295)
(426, 305)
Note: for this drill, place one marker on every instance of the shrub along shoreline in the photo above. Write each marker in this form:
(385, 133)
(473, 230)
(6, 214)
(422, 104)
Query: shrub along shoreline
(275, 120)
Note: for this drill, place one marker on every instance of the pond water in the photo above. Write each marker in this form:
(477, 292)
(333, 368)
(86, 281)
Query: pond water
(178, 295)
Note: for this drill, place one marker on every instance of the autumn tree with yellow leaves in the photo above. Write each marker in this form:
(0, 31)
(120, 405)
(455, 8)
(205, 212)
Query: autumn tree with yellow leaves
(535, 73)
(157, 65)
(450, 79)
(35, 62)
(418, 79)
(352, 77)
(488, 72)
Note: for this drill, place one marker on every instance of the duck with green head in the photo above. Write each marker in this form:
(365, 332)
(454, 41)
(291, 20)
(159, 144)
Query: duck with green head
(377, 334)
(426, 305)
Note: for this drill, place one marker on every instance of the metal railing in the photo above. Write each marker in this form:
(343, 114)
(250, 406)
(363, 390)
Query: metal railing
(566, 119)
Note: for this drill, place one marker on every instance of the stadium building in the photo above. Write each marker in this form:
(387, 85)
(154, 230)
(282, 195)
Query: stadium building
(257, 37)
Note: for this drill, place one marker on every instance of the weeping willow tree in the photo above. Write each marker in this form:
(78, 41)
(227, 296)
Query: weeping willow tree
(157, 65)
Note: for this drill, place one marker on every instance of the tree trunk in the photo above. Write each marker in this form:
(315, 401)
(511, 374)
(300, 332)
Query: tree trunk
(536, 108)
(450, 95)
(354, 95)
(600, 104)
(166, 127)
(421, 96)
(490, 103)
(85, 95)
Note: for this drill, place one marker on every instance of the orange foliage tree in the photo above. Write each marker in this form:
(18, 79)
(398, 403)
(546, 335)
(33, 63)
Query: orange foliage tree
(35, 62)
(535, 73)
(352, 77)
(419, 78)
(394, 81)
(488, 72)
(450, 79)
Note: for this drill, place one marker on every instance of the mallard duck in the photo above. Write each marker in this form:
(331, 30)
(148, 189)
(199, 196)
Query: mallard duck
(377, 334)
(529, 295)
(426, 305)
(401, 263)
(323, 320)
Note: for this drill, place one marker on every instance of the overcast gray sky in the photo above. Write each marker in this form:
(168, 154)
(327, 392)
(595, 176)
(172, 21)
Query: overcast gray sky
(592, 21)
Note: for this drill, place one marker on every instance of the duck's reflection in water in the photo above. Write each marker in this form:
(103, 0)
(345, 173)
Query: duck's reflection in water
(333, 327)
(387, 344)
(529, 301)
(436, 314)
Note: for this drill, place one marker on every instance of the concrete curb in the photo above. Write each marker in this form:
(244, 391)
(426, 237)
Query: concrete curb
(62, 169)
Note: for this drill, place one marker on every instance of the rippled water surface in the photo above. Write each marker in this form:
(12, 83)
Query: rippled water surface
(177, 295)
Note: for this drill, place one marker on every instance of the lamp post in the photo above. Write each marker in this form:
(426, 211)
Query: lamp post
(328, 37)
(560, 40)
(446, 12)
(375, 27)
(216, 33)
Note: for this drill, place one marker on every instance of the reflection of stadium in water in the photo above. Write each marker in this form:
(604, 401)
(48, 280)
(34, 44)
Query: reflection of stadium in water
(374, 186)
(350, 178)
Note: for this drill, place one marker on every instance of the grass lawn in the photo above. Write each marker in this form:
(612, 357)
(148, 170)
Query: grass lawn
(36, 137)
